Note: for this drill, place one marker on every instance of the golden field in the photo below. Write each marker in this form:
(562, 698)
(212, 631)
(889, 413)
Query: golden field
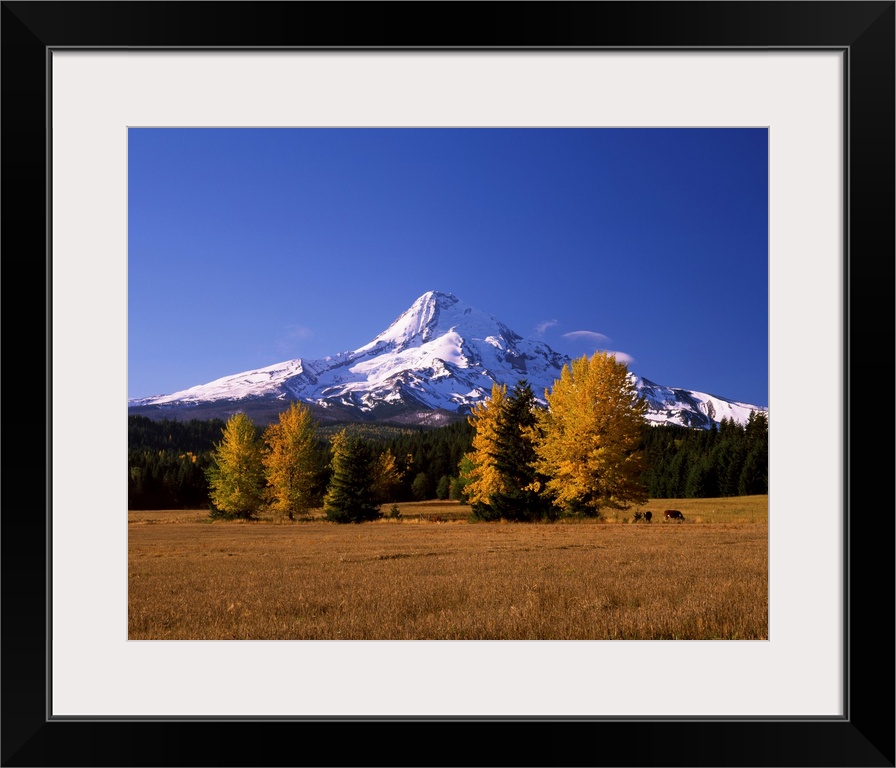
(434, 575)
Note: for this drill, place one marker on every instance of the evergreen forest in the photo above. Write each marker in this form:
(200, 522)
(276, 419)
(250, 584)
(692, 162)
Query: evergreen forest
(168, 460)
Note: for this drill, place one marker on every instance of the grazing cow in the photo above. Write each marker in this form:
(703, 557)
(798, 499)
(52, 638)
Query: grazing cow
(673, 514)
(647, 515)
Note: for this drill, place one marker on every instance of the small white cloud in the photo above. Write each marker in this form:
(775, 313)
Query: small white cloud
(621, 357)
(596, 341)
(591, 336)
(543, 326)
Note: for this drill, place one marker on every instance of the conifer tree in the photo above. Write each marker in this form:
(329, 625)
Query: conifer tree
(521, 495)
(591, 434)
(350, 495)
(756, 428)
(482, 477)
(702, 480)
(386, 477)
(236, 475)
(754, 475)
(290, 462)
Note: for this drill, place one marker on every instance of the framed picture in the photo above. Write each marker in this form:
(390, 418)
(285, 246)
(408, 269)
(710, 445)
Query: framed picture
(818, 75)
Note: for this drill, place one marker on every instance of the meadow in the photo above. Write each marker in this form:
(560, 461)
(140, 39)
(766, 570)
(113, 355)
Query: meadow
(432, 574)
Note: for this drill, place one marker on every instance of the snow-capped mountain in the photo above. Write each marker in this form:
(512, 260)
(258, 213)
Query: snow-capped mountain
(432, 365)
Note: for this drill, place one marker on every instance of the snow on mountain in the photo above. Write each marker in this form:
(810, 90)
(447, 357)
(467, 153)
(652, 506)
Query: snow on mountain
(671, 405)
(441, 355)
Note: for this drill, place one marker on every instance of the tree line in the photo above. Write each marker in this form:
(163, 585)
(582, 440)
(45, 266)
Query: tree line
(728, 460)
(284, 470)
(167, 462)
(589, 450)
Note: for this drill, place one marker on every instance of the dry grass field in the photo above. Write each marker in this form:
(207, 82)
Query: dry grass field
(434, 575)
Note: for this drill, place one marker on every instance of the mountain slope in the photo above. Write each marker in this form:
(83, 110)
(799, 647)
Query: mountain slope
(433, 364)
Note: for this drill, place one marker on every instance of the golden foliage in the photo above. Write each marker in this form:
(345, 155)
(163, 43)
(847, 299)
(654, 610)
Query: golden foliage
(386, 477)
(591, 434)
(484, 479)
(236, 477)
(289, 461)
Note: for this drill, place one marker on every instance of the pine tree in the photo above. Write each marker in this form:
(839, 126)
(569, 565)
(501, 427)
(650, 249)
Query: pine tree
(290, 462)
(754, 475)
(756, 428)
(236, 475)
(350, 495)
(521, 495)
(591, 434)
(703, 480)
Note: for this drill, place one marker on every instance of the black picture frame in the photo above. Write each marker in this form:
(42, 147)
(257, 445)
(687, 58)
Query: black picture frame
(864, 736)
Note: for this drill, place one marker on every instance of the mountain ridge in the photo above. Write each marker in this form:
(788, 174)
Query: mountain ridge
(432, 365)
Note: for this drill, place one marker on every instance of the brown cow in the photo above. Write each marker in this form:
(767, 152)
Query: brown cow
(647, 515)
(673, 514)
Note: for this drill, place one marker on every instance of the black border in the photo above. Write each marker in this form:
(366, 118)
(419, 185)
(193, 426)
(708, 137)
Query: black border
(864, 30)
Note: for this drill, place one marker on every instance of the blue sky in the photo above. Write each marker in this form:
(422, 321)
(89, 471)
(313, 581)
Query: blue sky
(248, 247)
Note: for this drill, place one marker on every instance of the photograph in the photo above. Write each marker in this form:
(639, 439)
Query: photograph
(529, 365)
(453, 331)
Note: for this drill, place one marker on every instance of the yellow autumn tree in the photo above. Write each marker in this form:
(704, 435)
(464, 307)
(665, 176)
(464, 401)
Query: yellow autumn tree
(236, 474)
(386, 477)
(483, 480)
(289, 463)
(590, 436)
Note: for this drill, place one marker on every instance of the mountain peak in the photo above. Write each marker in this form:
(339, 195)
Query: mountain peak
(438, 359)
(433, 313)
(439, 297)
(431, 303)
